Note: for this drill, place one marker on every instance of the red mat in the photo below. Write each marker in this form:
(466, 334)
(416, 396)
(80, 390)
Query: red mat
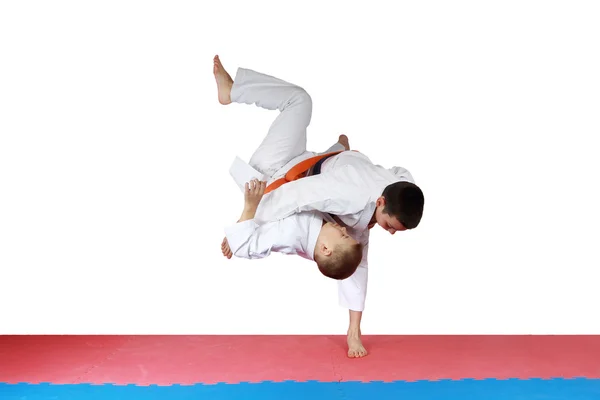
(166, 360)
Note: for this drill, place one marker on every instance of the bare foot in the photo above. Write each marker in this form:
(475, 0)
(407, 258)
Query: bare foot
(225, 248)
(224, 81)
(355, 347)
(343, 140)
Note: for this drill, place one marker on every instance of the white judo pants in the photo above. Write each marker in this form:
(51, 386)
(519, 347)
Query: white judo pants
(285, 143)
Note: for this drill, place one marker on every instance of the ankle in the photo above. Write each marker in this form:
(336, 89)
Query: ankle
(354, 333)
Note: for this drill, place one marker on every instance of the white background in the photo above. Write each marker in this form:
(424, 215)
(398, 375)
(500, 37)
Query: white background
(114, 157)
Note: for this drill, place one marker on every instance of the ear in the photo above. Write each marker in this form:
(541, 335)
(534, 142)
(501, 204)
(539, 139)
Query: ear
(380, 201)
(326, 251)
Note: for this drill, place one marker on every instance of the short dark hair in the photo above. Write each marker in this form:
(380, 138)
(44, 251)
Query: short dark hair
(342, 263)
(404, 201)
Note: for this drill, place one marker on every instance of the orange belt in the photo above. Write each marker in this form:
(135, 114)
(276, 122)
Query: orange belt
(298, 171)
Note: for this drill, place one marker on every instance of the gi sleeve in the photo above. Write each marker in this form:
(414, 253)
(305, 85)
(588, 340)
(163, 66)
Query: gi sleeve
(247, 239)
(402, 173)
(352, 291)
(333, 192)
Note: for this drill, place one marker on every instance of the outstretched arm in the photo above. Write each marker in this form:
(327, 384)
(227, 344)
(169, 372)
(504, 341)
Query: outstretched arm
(352, 295)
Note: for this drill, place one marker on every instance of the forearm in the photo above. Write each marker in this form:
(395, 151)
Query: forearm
(248, 213)
(252, 195)
(247, 239)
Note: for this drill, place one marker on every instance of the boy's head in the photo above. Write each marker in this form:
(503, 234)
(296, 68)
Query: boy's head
(400, 207)
(337, 254)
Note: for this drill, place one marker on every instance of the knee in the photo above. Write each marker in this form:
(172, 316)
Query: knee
(301, 98)
(305, 97)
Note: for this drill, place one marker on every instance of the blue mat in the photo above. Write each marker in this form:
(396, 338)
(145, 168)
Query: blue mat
(488, 389)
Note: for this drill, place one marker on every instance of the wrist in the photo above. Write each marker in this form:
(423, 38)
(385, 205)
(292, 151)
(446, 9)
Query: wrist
(246, 217)
(249, 209)
(248, 214)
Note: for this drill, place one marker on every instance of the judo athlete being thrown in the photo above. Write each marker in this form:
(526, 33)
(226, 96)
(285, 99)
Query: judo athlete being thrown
(308, 234)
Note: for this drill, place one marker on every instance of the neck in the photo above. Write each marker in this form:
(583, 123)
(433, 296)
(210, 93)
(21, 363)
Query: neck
(373, 219)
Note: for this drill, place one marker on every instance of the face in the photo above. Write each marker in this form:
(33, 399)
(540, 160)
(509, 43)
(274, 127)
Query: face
(386, 221)
(332, 235)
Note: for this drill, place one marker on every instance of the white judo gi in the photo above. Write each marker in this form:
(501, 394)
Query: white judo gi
(348, 185)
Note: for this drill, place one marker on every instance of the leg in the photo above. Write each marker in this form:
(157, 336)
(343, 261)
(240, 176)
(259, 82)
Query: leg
(286, 138)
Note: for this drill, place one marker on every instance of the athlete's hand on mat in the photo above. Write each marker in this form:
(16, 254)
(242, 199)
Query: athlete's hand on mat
(225, 248)
(254, 191)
